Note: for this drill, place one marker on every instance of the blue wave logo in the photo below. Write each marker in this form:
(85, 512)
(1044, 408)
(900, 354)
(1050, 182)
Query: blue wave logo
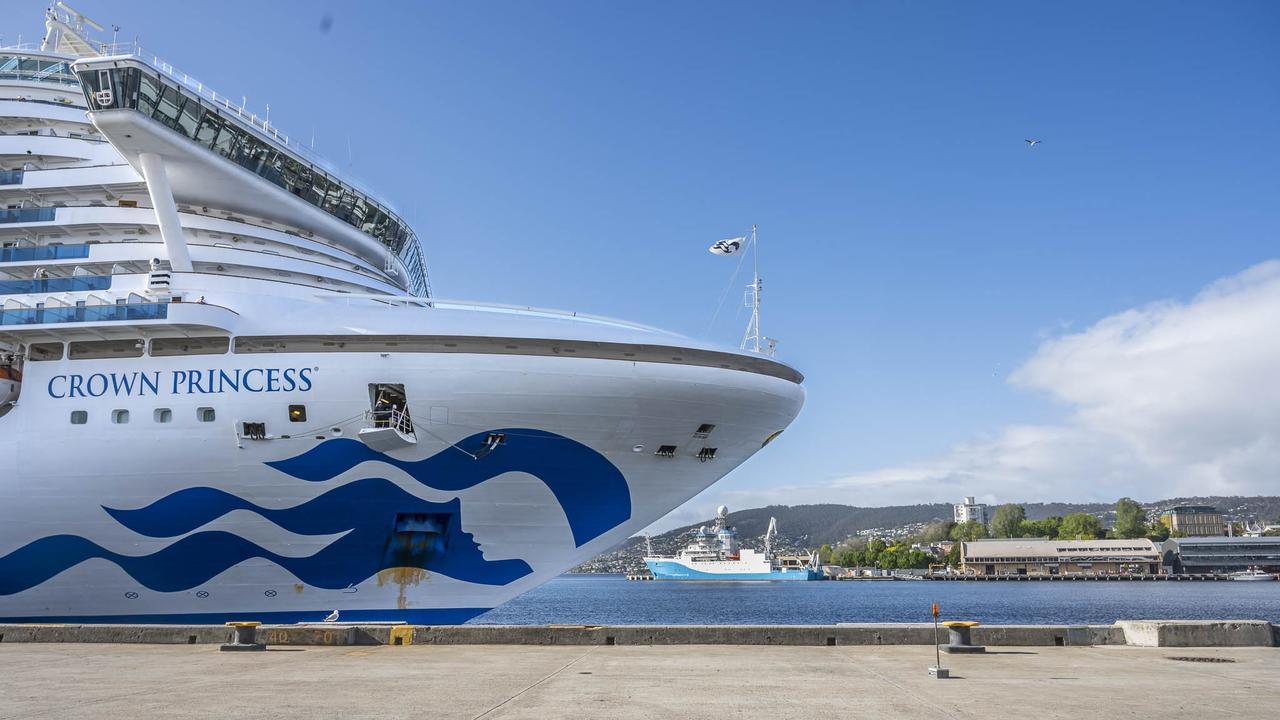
(591, 490)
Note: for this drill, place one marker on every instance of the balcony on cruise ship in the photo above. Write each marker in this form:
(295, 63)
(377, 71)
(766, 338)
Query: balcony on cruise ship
(111, 316)
(81, 312)
(35, 214)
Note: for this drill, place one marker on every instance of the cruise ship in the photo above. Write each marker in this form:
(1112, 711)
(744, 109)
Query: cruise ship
(227, 391)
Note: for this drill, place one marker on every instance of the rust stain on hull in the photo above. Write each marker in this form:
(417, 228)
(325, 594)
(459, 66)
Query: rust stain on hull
(403, 577)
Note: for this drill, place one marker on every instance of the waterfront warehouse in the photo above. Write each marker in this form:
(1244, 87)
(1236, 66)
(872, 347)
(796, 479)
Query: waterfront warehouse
(1060, 557)
(1222, 554)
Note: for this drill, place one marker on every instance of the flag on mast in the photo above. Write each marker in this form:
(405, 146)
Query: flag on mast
(727, 247)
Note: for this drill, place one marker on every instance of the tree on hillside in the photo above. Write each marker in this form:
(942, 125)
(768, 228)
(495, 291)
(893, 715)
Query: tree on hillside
(1131, 519)
(953, 555)
(1008, 520)
(824, 554)
(1080, 526)
(1043, 528)
(936, 531)
(968, 530)
(1157, 531)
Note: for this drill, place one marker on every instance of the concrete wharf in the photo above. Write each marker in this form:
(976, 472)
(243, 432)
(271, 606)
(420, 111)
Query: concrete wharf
(1181, 577)
(550, 682)
(1164, 633)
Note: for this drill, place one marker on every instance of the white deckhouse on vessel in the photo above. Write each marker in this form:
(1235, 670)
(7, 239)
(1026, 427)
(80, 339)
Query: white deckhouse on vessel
(226, 391)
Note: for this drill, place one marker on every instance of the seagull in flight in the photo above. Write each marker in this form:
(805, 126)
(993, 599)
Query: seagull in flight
(1031, 143)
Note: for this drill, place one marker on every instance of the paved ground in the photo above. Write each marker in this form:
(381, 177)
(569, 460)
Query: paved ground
(167, 681)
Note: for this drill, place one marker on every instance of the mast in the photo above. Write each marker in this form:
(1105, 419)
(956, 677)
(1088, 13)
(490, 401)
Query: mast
(65, 32)
(752, 336)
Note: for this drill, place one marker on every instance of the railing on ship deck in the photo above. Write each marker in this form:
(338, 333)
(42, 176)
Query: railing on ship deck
(84, 313)
(16, 215)
(44, 252)
(79, 283)
(398, 419)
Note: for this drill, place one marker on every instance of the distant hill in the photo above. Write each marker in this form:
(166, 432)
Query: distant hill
(820, 524)
(804, 527)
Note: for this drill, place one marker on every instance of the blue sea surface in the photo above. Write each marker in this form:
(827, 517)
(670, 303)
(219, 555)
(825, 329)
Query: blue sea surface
(614, 600)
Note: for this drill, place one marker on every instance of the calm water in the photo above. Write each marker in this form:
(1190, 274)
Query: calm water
(613, 600)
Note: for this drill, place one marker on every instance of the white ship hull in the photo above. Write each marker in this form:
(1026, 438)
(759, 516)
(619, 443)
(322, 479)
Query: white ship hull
(1253, 577)
(677, 569)
(202, 316)
(584, 418)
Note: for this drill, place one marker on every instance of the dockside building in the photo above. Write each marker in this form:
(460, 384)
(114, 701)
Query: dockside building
(1060, 557)
(1222, 554)
(1193, 520)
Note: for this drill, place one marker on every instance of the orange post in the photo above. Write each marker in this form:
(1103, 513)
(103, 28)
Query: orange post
(936, 650)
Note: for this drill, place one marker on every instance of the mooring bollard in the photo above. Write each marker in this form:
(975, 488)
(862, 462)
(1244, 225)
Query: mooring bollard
(958, 640)
(246, 637)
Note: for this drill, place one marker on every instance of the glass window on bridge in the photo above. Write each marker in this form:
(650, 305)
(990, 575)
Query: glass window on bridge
(213, 129)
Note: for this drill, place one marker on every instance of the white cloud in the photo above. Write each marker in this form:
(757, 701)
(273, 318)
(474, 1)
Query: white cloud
(1173, 398)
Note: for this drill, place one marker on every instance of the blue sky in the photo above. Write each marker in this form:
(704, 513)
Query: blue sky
(916, 252)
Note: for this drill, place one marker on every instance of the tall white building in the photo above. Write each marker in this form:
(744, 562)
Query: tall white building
(971, 510)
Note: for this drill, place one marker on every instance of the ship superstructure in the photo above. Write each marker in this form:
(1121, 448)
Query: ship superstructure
(227, 391)
(714, 554)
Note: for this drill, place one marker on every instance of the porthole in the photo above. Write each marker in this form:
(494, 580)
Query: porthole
(205, 414)
(79, 417)
(297, 413)
(163, 415)
(120, 417)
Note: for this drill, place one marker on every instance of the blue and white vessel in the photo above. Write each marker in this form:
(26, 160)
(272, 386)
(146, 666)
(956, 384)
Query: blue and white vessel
(229, 393)
(714, 554)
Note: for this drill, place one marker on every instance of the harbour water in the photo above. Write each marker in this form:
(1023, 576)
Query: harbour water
(612, 600)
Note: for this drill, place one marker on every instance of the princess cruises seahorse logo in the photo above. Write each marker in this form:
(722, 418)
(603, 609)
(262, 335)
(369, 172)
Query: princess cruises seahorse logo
(592, 492)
